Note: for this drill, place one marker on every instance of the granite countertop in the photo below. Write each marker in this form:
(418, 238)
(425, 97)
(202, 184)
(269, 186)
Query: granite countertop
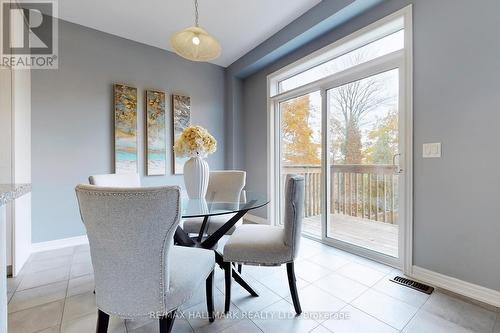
(9, 192)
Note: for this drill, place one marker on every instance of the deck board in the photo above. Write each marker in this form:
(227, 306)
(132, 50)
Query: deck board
(373, 235)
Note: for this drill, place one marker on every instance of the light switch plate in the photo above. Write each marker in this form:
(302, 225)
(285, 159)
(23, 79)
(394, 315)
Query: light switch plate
(431, 150)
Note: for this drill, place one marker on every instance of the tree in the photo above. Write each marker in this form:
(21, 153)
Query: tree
(298, 145)
(349, 104)
(383, 140)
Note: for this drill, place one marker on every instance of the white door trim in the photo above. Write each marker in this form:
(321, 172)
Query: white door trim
(21, 167)
(407, 232)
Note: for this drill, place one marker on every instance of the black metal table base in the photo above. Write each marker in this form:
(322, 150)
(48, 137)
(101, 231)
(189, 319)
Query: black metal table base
(181, 238)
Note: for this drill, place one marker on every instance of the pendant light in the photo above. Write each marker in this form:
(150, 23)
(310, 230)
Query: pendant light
(194, 43)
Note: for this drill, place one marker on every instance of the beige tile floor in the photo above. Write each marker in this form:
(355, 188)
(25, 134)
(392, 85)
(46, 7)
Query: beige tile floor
(340, 293)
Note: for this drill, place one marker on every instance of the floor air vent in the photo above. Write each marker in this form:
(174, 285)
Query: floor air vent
(413, 284)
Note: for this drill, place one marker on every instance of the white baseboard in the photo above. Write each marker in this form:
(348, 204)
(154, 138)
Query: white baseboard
(255, 219)
(59, 243)
(457, 286)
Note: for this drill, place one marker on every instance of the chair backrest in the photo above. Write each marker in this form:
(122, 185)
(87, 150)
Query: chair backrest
(226, 185)
(130, 231)
(116, 180)
(294, 212)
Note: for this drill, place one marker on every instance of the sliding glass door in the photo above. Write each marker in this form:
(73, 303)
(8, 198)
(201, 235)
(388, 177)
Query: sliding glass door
(363, 131)
(342, 118)
(356, 140)
(301, 153)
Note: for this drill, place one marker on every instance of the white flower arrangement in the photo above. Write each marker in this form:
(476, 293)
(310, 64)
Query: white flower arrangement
(195, 141)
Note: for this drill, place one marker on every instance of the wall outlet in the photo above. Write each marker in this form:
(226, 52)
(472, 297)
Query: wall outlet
(431, 150)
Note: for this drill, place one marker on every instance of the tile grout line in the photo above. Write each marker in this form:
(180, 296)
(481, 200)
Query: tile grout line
(321, 324)
(38, 331)
(43, 285)
(418, 311)
(315, 327)
(349, 261)
(364, 292)
(401, 300)
(377, 281)
(420, 308)
(36, 306)
(366, 313)
(23, 275)
(497, 320)
(460, 299)
(30, 260)
(66, 294)
(334, 270)
(219, 331)
(187, 321)
(264, 309)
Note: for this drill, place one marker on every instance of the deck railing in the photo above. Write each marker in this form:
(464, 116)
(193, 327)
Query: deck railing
(366, 191)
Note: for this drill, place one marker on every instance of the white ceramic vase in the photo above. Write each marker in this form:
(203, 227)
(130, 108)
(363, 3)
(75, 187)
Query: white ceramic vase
(196, 174)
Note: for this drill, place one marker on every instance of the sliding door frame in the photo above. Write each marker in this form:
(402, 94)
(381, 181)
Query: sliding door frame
(391, 64)
(402, 60)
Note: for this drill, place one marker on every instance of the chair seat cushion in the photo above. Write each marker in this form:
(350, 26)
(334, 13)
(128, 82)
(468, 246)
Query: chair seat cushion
(257, 245)
(188, 268)
(193, 225)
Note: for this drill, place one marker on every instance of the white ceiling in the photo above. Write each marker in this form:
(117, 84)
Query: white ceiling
(238, 25)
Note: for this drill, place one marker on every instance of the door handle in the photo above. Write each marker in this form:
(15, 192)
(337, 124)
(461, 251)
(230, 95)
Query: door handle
(397, 166)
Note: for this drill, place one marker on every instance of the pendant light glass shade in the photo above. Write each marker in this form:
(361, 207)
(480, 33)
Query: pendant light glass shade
(195, 44)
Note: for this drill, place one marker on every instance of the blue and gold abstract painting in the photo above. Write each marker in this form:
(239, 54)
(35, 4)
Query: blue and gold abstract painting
(181, 111)
(156, 133)
(125, 112)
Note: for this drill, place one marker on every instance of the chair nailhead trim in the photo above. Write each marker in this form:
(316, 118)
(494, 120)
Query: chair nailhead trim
(162, 261)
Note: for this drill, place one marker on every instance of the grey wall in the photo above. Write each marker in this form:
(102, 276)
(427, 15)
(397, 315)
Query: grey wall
(232, 122)
(72, 120)
(456, 99)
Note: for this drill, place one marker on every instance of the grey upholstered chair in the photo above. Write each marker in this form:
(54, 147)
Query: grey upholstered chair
(138, 272)
(265, 245)
(116, 180)
(223, 186)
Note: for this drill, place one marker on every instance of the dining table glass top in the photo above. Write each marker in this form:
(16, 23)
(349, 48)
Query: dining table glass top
(216, 203)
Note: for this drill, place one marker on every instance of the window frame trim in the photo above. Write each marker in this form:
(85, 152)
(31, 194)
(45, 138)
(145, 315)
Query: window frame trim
(369, 68)
(364, 36)
(405, 59)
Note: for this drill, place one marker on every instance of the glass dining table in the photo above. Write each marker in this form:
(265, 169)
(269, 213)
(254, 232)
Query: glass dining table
(233, 207)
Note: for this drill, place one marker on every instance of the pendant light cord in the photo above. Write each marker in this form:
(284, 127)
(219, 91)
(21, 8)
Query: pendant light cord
(196, 12)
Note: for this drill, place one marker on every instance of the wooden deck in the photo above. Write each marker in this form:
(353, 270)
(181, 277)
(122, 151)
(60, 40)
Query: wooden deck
(373, 235)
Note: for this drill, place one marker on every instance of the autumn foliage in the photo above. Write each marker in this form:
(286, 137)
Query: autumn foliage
(298, 144)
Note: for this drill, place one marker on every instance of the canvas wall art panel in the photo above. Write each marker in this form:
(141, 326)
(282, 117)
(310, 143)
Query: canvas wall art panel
(181, 113)
(125, 112)
(156, 143)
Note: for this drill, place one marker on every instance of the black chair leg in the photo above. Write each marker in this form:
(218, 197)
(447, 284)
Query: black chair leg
(102, 322)
(209, 286)
(293, 287)
(167, 322)
(240, 267)
(228, 278)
